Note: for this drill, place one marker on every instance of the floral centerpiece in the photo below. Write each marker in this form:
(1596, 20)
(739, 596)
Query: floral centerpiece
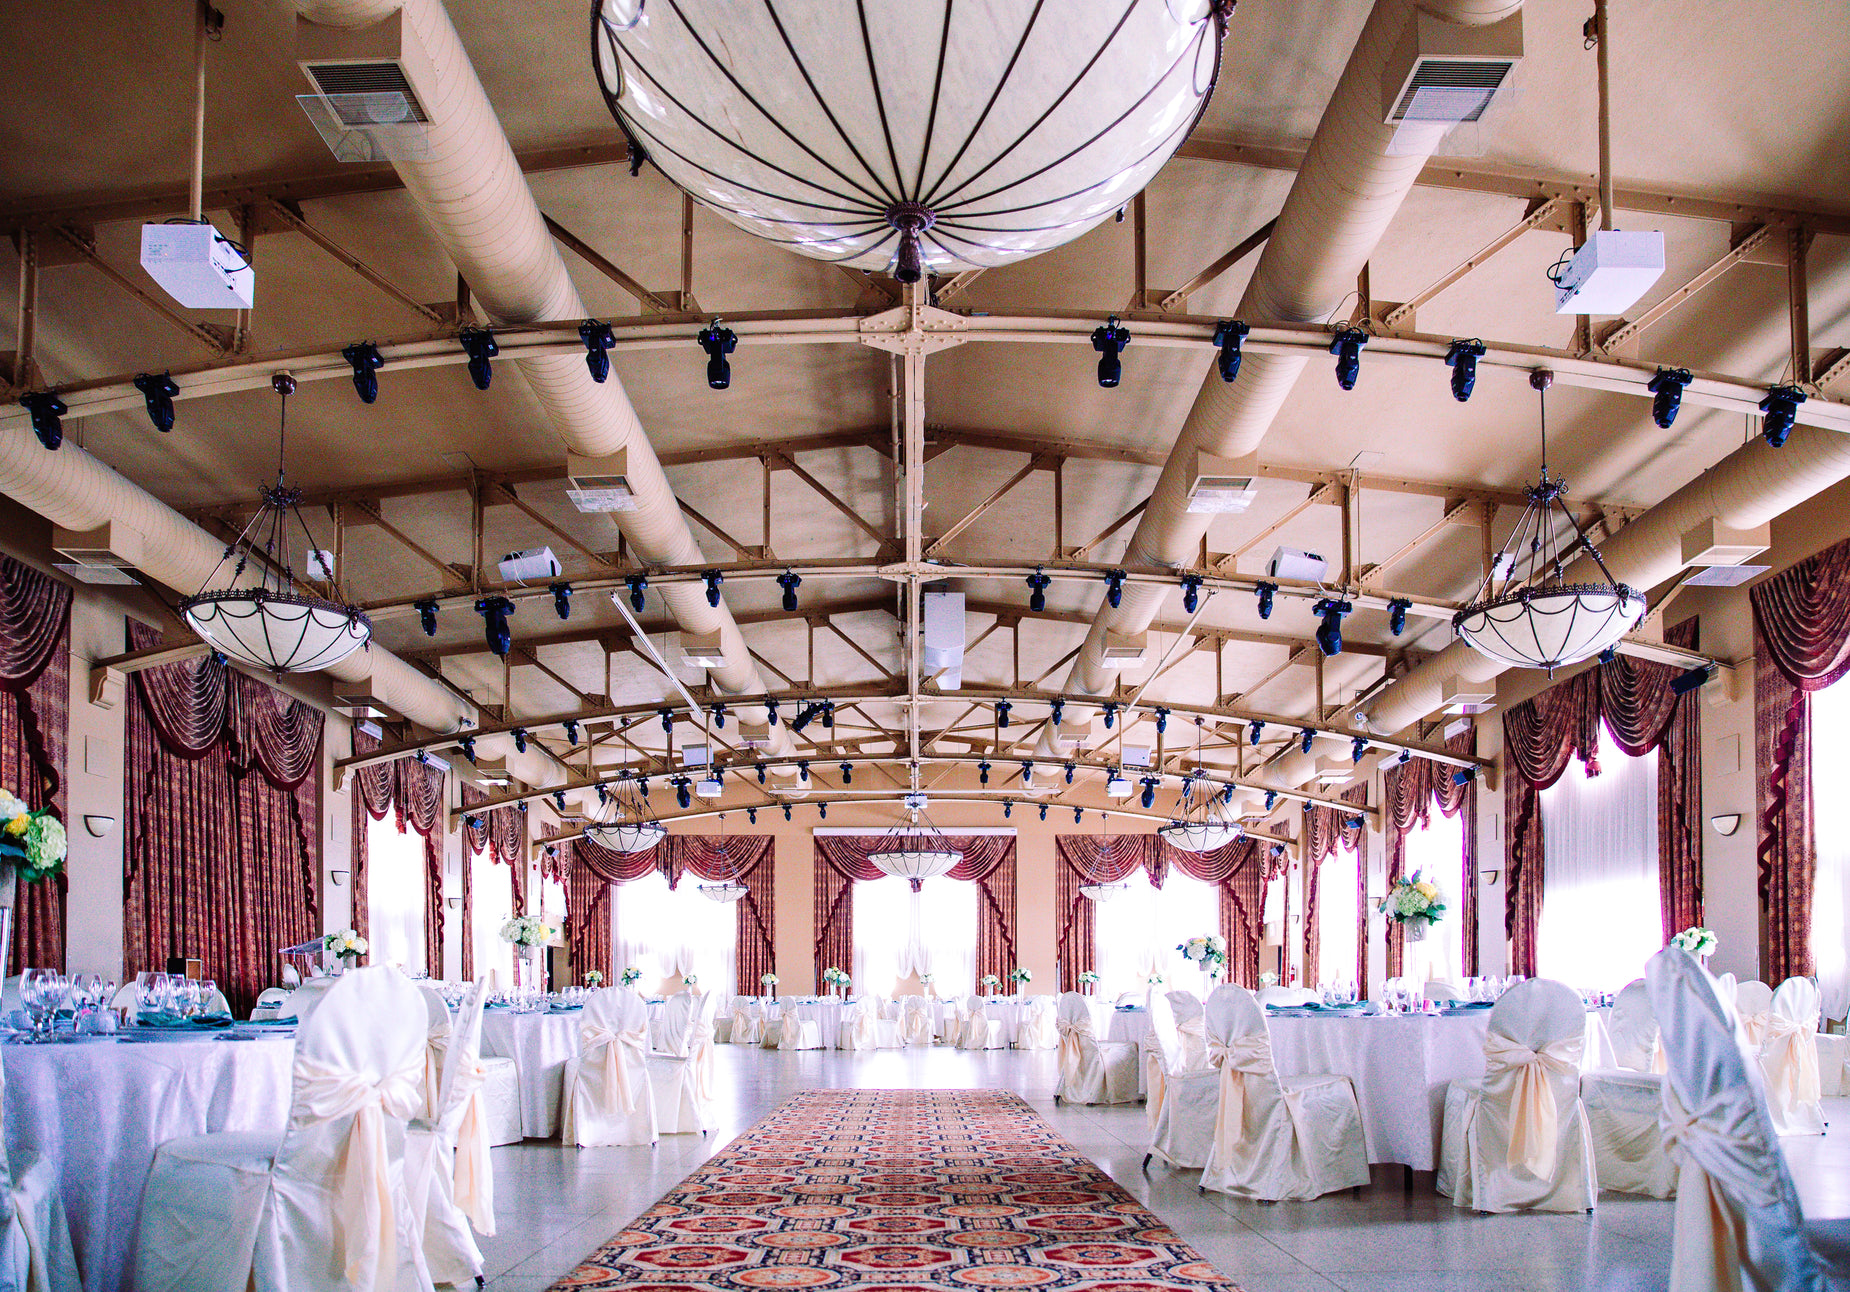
(32, 844)
(1154, 980)
(925, 981)
(1021, 978)
(1413, 903)
(594, 978)
(1698, 941)
(1268, 979)
(990, 983)
(1088, 982)
(348, 945)
(690, 981)
(769, 983)
(836, 979)
(527, 931)
(630, 976)
(1209, 953)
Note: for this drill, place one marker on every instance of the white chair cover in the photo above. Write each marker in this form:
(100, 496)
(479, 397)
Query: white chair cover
(324, 1206)
(668, 1028)
(1037, 1029)
(303, 1000)
(1517, 1139)
(1439, 989)
(747, 1022)
(1191, 1030)
(431, 1145)
(951, 1019)
(608, 1098)
(1789, 1058)
(501, 1100)
(436, 1046)
(1752, 1000)
(1833, 1051)
(915, 1026)
(982, 1031)
(1179, 1103)
(686, 1098)
(35, 1237)
(794, 1032)
(1622, 1120)
(1633, 1030)
(1738, 1222)
(269, 1002)
(1091, 1071)
(864, 1026)
(1275, 1140)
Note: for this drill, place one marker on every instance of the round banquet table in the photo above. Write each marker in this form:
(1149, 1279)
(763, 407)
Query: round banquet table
(540, 1046)
(1400, 1065)
(825, 1011)
(97, 1110)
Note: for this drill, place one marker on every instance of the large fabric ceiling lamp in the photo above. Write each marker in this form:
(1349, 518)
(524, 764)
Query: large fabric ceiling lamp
(920, 137)
(916, 851)
(272, 624)
(729, 889)
(1202, 827)
(1525, 613)
(625, 823)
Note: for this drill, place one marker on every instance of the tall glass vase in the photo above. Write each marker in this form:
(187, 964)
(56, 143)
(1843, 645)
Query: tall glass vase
(9, 893)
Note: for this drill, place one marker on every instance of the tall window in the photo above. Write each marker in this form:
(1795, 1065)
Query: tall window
(899, 934)
(1438, 853)
(1336, 917)
(1830, 897)
(491, 898)
(671, 933)
(1140, 929)
(395, 894)
(1600, 915)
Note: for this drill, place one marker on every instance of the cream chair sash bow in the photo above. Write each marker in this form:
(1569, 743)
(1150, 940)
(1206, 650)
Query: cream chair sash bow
(1534, 1119)
(1793, 1052)
(1156, 1084)
(1236, 1057)
(1074, 1033)
(1720, 1140)
(367, 1232)
(616, 1073)
(1193, 1035)
(700, 1054)
(435, 1048)
(862, 1028)
(742, 1019)
(473, 1176)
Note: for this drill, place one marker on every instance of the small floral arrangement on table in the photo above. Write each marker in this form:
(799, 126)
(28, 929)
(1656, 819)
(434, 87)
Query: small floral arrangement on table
(1154, 980)
(1268, 979)
(1209, 952)
(1698, 941)
(1020, 977)
(1413, 901)
(594, 978)
(527, 931)
(347, 944)
(630, 976)
(33, 842)
(833, 977)
(1088, 979)
(769, 983)
(690, 980)
(990, 981)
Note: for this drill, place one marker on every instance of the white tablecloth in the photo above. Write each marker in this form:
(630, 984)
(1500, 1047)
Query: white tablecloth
(1121, 1024)
(540, 1045)
(97, 1110)
(826, 1013)
(1400, 1065)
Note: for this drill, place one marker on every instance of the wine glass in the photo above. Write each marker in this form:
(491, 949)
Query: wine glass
(207, 990)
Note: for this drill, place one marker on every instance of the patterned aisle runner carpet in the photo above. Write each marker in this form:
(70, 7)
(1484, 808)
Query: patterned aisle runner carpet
(915, 1189)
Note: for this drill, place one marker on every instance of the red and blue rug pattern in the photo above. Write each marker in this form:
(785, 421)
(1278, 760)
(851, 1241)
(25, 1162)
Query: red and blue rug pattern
(910, 1189)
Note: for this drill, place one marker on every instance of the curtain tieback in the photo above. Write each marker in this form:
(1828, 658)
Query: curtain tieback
(1534, 1127)
(367, 1233)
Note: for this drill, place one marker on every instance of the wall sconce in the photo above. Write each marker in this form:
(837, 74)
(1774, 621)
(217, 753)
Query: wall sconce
(98, 826)
(452, 902)
(339, 877)
(1490, 877)
(1726, 823)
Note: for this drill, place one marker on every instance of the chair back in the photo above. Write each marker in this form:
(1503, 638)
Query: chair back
(1537, 1034)
(1753, 1001)
(1439, 989)
(1789, 1049)
(1240, 1045)
(677, 1016)
(269, 1002)
(1162, 1043)
(1718, 1129)
(462, 1114)
(1798, 1001)
(357, 1079)
(436, 1046)
(1634, 1030)
(1133, 997)
(304, 999)
(915, 1021)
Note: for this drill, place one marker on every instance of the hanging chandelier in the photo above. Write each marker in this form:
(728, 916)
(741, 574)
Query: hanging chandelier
(1102, 893)
(1202, 827)
(625, 823)
(916, 851)
(271, 624)
(1529, 615)
(916, 138)
(729, 889)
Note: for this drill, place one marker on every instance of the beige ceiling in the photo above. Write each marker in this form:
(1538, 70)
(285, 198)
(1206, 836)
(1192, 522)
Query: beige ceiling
(1727, 99)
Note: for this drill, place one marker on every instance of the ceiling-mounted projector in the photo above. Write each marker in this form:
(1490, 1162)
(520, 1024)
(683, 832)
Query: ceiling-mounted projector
(1609, 272)
(534, 563)
(197, 267)
(1295, 563)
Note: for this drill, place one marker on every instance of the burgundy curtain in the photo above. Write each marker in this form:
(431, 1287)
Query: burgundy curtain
(749, 859)
(1634, 699)
(988, 862)
(1411, 790)
(35, 704)
(1325, 830)
(222, 851)
(587, 917)
(1801, 645)
(1239, 871)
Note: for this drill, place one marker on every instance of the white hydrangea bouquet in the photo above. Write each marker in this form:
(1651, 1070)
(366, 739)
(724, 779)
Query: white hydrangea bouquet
(1414, 903)
(690, 980)
(769, 981)
(527, 931)
(347, 944)
(32, 844)
(991, 982)
(1209, 953)
(630, 976)
(594, 978)
(1268, 979)
(1698, 941)
(1088, 980)
(1154, 980)
(833, 977)
(1020, 977)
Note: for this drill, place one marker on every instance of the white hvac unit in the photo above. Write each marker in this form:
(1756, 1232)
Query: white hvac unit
(367, 105)
(595, 485)
(942, 615)
(1295, 563)
(197, 267)
(108, 554)
(1609, 272)
(1713, 543)
(1118, 787)
(702, 650)
(488, 772)
(1447, 72)
(530, 566)
(1219, 487)
(1459, 696)
(755, 735)
(1123, 650)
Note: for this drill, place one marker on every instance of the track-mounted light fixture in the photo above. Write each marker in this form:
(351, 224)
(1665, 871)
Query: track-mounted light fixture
(683, 792)
(1405, 756)
(751, 815)
(365, 360)
(1306, 738)
(638, 584)
(1008, 808)
(1462, 360)
(1111, 716)
(1056, 711)
(1002, 712)
(520, 739)
(1781, 407)
(558, 800)
(828, 715)
(847, 773)
(468, 747)
(480, 345)
(1347, 347)
(1666, 387)
(1069, 773)
(571, 731)
(158, 389)
(667, 717)
(1253, 732)
(427, 615)
(1077, 814)
(1110, 341)
(786, 811)
(719, 716)
(1037, 590)
(1464, 775)
(790, 581)
(1191, 592)
(1148, 797)
(561, 598)
(1043, 811)
(495, 612)
(1397, 615)
(770, 711)
(1228, 334)
(982, 772)
(803, 770)
(713, 579)
(1271, 799)
(1357, 748)
(1027, 772)
(718, 342)
(1266, 591)
(1330, 632)
(822, 810)
(47, 411)
(603, 794)
(598, 339)
(1162, 720)
(1114, 587)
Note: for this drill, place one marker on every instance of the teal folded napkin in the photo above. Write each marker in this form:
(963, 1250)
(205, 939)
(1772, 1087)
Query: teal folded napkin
(201, 1021)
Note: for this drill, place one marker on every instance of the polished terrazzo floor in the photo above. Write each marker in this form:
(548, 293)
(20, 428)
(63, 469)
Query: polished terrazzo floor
(555, 1205)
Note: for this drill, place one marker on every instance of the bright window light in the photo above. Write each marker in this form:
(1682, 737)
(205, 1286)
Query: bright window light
(899, 934)
(669, 934)
(395, 894)
(1830, 898)
(1139, 930)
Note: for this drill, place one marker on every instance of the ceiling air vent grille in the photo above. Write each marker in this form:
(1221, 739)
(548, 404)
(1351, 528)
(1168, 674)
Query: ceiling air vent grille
(1446, 89)
(366, 94)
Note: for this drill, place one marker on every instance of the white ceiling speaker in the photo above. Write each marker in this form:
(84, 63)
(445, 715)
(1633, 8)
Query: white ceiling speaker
(920, 138)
